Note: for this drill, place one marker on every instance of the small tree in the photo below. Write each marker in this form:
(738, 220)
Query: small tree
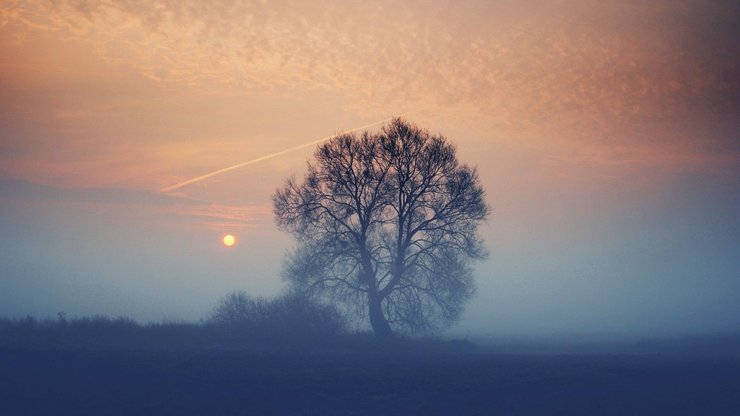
(386, 224)
(291, 315)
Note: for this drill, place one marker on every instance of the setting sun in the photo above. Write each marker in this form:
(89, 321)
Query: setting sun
(229, 240)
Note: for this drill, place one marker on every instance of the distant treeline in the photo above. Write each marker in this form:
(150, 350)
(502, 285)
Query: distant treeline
(238, 321)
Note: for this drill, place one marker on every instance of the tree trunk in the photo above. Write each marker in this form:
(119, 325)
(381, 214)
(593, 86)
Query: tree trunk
(380, 325)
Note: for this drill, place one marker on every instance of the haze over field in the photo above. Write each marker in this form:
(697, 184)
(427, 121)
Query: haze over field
(605, 134)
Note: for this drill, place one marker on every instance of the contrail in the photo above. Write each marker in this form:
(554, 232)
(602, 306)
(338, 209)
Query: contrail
(260, 159)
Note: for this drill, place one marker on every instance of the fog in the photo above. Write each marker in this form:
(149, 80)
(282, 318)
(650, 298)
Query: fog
(591, 264)
(604, 133)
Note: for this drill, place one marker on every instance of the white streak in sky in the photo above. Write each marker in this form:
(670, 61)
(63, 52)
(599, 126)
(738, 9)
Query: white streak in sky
(262, 158)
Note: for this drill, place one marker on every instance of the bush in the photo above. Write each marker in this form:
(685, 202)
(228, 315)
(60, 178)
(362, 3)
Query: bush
(103, 324)
(287, 316)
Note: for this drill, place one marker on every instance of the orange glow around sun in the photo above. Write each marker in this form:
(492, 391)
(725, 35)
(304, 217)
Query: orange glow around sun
(229, 240)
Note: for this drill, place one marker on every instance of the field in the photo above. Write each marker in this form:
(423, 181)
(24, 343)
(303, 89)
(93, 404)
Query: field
(45, 380)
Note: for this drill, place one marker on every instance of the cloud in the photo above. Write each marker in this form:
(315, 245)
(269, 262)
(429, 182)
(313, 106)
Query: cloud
(561, 74)
(225, 217)
(177, 209)
(553, 54)
(12, 188)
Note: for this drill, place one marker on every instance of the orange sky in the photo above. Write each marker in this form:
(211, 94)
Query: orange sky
(587, 100)
(135, 94)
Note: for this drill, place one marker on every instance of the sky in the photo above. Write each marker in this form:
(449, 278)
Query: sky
(606, 134)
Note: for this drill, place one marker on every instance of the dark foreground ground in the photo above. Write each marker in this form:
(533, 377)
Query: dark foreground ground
(58, 381)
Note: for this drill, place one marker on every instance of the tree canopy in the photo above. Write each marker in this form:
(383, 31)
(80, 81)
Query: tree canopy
(386, 225)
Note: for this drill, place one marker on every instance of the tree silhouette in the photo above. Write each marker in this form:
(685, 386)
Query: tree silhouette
(386, 224)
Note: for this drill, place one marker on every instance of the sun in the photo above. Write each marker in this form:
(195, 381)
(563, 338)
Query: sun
(229, 240)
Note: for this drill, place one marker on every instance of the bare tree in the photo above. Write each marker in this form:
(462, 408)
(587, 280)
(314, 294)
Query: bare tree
(386, 224)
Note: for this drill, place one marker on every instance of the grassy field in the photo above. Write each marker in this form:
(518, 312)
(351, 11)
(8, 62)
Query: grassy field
(115, 367)
(253, 382)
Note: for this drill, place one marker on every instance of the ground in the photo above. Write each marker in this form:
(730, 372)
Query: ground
(43, 381)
